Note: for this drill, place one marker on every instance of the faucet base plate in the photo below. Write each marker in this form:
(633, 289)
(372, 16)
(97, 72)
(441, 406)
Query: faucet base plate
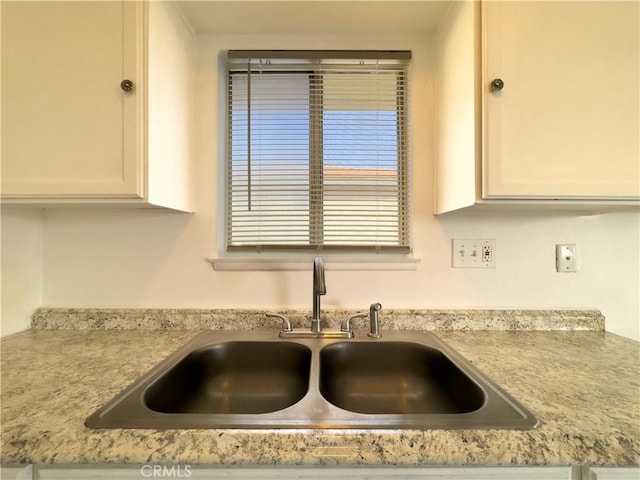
(303, 333)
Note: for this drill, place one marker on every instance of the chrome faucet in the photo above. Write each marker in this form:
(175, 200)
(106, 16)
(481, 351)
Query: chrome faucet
(319, 288)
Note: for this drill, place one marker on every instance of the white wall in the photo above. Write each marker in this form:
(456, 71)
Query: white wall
(131, 258)
(22, 259)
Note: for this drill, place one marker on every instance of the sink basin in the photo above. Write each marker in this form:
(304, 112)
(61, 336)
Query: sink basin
(395, 378)
(233, 378)
(254, 379)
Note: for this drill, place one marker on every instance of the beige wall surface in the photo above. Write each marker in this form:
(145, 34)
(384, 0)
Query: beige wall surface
(22, 256)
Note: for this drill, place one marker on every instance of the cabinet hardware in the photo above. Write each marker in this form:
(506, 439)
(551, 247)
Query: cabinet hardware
(126, 85)
(497, 84)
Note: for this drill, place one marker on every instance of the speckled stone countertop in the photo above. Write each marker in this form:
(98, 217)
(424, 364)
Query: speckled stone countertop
(583, 385)
(238, 319)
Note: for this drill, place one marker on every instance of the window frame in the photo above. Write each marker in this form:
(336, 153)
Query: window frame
(316, 161)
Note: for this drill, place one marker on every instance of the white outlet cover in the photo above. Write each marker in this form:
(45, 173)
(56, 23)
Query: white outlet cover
(473, 253)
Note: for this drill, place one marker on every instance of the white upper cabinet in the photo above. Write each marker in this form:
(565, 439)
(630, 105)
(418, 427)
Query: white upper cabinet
(562, 121)
(565, 124)
(71, 131)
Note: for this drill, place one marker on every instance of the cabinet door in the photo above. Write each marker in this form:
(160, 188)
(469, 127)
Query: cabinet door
(611, 473)
(68, 129)
(566, 122)
(16, 473)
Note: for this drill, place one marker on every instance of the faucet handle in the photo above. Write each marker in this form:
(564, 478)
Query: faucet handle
(286, 324)
(346, 323)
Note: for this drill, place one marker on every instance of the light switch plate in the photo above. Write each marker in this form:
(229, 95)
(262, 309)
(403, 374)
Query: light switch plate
(473, 253)
(566, 258)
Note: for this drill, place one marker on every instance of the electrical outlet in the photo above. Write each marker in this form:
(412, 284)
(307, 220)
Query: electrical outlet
(566, 260)
(473, 253)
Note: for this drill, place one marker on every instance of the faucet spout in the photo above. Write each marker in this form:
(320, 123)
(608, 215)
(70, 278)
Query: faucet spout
(319, 288)
(319, 285)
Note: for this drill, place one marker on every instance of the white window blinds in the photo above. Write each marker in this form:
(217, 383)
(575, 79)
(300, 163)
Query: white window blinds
(317, 150)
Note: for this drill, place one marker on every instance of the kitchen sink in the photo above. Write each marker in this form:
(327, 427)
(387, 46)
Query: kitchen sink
(254, 379)
(234, 378)
(395, 378)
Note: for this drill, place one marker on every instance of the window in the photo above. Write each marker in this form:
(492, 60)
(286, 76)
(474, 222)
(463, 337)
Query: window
(317, 151)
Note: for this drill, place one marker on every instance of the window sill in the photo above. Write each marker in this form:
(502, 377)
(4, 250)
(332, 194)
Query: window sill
(364, 263)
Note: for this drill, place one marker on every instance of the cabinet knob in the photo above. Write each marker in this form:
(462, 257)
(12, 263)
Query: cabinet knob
(126, 85)
(497, 84)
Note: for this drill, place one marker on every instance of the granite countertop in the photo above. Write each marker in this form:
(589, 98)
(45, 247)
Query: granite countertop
(583, 386)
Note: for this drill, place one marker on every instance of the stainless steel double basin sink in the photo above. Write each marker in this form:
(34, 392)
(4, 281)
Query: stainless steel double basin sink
(254, 379)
